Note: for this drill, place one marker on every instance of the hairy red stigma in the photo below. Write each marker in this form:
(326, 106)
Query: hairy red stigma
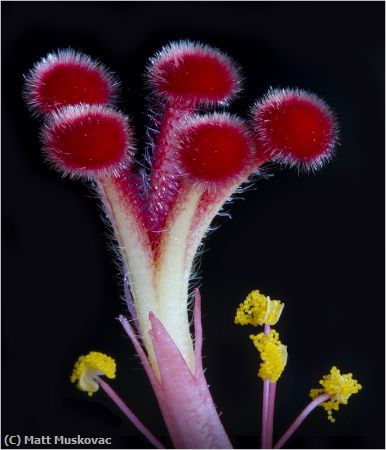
(68, 78)
(87, 140)
(215, 148)
(294, 126)
(195, 72)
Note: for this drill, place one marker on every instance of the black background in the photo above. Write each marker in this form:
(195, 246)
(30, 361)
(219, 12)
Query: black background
(314, 241)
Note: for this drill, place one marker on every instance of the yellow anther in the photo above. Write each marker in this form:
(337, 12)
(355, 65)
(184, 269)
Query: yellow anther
(88, 366)
(339, 386)
(273, 354)
(257, 309)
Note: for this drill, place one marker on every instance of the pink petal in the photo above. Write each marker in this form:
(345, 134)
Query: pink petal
(193, 419)
(185, 401)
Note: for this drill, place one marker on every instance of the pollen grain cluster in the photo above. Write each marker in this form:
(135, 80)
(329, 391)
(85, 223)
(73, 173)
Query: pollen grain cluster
(90, 365)
(339, 386)
(257, 309)
(273, 354)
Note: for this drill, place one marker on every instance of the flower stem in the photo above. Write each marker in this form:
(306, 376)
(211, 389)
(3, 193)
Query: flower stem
(128, 413)
(300, 418)
(264, 419)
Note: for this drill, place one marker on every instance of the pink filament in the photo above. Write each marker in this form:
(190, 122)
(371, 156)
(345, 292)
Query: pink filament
(265, 409)
(298, 421)
(142, 355)
(271, 410)
(128, 413)
(265, 414)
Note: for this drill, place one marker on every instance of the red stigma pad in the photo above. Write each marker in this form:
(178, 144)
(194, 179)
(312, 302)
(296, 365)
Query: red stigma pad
(295, 126)
(68, 78)
(87, 140)
(215, 149)
(191, 71)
